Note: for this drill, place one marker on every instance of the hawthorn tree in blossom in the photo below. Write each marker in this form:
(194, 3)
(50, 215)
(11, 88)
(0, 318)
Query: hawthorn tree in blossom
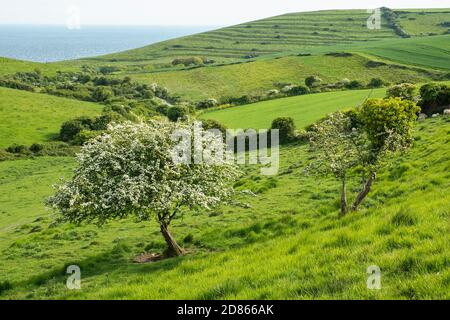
(131, 171)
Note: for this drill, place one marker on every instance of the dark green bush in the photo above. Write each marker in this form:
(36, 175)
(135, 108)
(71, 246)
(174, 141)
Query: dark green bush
(36, 147)
(286, 127)
(18, 149)
(375, 83)
(434, 98)
(177, 112)
(312, 81)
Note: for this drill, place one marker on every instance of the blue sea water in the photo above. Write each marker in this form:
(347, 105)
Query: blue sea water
(57, 43)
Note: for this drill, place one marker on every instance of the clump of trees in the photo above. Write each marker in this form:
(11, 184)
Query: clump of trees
(81, 129)
(361, 140)
(192, 61)
(131, 171)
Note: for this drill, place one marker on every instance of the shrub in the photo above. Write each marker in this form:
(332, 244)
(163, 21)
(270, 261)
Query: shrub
(71, 128)
(101, 122)
(108, 69)
(188, 61)
(177, 113)
(297, 90)
(405, 91)
(101, 94)
(36, 147)
(16, 148)
(434, 98)
(354, 84)
(375, 83)
(84, 136)
(213, 124)
(312, 81)
(208, 103)
(286, 127)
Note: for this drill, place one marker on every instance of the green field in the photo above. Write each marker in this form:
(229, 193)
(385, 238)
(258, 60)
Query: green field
(287, 244)
(303, 109)
(26, 117)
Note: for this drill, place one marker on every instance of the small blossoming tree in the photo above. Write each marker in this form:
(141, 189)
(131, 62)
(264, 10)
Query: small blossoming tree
(131, 171)
(362, 139)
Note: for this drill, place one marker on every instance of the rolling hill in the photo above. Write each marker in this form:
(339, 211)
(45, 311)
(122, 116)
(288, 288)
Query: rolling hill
(27, 118)
(281, 34)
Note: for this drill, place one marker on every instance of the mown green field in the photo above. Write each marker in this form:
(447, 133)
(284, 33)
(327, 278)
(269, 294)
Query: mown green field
(286, 244)
(27, 118)
(429, 52)
(303, 109)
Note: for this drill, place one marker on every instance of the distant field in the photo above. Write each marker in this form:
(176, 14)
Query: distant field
(430, 52)
(27, 117)
(303, 109)
(423, 22)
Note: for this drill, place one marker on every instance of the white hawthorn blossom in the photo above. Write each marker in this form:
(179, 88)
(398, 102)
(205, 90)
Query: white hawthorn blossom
(130, 170)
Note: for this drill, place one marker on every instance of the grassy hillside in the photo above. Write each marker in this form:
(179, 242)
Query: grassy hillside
(267, 36)
(303, 109)
(10, 66)
(287, 243)
(260, 76)
(285, 33)
(424, 22)
(26, 117)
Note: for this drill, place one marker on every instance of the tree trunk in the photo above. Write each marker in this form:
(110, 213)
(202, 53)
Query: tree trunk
(173, 249)
(364, 192)
(343, 198)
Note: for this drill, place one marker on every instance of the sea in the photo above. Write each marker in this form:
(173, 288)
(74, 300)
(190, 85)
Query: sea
(57, 43)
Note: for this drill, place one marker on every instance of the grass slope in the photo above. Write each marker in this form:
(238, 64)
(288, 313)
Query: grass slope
(26, 117)
(287, 244)
(260, 76)
(10, 66)
(303, 109)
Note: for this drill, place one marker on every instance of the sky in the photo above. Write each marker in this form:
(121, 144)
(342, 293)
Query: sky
(178, 12)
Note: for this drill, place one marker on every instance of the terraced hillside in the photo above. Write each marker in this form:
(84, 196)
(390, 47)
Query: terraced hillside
(27, 118)
(284, 33)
